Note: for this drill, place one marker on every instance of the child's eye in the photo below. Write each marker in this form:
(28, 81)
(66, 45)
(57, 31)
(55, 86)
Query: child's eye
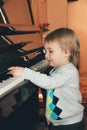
(50, 51)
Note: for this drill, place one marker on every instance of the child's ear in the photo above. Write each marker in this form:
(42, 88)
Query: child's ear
(67, 52)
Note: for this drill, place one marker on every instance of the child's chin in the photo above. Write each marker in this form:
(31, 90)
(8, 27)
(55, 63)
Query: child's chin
(52, 65)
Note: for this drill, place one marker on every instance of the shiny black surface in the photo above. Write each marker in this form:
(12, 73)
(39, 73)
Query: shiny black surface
(12, 54)
(9, 30)
(25, 112)
(17, 60)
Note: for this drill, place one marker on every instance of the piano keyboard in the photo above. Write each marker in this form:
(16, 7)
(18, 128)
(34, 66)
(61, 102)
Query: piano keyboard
(13, 82)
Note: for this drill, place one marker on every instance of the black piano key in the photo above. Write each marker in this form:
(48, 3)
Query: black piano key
(5, 76)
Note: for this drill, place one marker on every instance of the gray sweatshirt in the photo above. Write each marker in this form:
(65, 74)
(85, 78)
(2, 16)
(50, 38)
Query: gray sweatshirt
(64, 99)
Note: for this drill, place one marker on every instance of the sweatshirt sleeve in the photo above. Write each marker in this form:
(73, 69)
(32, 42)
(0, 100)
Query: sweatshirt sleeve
(45, 81)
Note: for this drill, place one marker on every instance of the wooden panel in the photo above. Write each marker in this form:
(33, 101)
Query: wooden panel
(57, 14)
(17, 11)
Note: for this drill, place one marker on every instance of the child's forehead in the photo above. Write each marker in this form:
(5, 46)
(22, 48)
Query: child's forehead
(51, 45)
(51, 41)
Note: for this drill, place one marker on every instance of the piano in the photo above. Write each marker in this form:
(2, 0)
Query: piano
(14, 55)
(19, 46)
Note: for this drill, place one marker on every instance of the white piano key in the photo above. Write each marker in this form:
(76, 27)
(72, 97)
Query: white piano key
(9, 85)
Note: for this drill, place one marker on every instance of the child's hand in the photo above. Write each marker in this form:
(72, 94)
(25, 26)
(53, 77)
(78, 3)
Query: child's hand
(16, 71)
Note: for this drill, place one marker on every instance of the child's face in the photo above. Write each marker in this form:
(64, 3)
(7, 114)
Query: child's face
(55, 55)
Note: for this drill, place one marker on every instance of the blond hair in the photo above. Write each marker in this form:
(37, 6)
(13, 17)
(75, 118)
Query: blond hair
(68, 40)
